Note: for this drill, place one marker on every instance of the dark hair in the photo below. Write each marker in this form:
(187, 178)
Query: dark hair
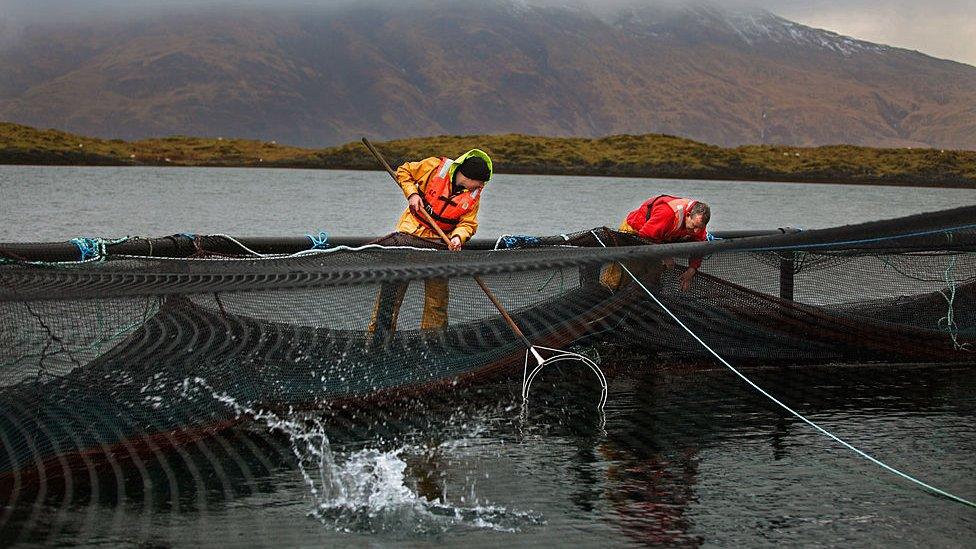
(700, 208)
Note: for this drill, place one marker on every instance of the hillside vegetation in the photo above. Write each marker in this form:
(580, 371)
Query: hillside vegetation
(624, 155)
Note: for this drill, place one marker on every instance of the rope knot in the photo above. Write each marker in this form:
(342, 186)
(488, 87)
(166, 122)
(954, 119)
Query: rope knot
(94, 249)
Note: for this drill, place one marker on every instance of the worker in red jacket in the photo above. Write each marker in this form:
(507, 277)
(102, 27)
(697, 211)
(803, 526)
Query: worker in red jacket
(664, 219)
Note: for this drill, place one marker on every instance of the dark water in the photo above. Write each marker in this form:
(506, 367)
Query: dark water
(684, 458)
(681, 458)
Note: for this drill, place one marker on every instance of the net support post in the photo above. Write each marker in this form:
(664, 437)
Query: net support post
(787, 270)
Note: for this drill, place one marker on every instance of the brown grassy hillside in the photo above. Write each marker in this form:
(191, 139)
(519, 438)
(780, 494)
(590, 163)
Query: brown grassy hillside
(322, 77)
(624, 155)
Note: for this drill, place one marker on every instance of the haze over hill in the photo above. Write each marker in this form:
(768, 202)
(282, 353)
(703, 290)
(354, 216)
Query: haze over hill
(317, 77)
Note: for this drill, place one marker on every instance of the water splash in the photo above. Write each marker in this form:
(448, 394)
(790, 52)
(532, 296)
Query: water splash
(366, 490)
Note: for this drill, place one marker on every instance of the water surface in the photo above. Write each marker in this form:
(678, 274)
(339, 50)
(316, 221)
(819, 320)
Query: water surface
(41, 204)
(681, 458)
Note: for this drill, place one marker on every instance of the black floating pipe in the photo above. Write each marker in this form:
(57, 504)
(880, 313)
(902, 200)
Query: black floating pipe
(182, 245)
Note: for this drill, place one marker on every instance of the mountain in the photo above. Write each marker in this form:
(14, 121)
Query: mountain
(317, 77)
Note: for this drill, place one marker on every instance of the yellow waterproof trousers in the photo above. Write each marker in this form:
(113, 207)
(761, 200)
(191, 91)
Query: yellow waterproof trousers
(388, 302)
(613, 277)
(390, 298)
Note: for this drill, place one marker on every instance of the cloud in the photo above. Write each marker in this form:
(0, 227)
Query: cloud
(42, 11)
(942, 28)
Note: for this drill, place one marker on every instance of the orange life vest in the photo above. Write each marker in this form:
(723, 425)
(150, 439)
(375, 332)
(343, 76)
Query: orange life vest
(445, 208)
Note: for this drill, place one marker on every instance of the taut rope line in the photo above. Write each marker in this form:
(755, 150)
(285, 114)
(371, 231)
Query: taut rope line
(787, 408)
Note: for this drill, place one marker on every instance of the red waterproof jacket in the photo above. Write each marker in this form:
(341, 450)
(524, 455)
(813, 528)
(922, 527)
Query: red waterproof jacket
(661, 219)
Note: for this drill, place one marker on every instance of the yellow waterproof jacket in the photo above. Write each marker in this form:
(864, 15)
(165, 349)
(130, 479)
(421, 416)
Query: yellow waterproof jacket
(413, 178)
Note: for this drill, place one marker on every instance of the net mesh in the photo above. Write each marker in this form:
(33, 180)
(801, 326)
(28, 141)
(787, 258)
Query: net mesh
(103, 357)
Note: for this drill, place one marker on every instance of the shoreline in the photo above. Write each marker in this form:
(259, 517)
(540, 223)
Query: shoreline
(650, 156)
(733, 178)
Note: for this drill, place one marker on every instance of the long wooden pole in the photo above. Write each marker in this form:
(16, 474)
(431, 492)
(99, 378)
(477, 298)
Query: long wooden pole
(447, 241)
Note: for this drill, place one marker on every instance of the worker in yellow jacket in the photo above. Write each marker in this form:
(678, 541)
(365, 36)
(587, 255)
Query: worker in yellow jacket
(450, 191)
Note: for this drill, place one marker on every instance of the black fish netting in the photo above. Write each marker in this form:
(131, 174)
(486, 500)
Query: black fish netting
(101, 357)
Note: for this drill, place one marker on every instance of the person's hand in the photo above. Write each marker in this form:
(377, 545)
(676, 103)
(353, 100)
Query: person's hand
(415, 203)
(668, 262)
(685, 279)
(455, 244)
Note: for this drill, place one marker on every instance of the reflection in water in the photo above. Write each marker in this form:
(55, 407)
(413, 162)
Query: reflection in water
(655, 442)
(778, 436)
(652, 474)
(651, 493)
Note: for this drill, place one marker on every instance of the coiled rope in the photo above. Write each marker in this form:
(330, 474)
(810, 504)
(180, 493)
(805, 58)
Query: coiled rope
(94, 249)
(320, 241)
(787, 408)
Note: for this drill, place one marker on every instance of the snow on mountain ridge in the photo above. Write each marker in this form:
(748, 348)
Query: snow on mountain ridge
(753, 27)
(765, 26)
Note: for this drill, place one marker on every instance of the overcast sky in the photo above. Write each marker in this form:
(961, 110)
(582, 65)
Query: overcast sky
(941, 28)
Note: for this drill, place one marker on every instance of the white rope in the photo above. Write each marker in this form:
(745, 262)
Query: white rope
(317, 251)
(950, 296)
(784, 406)
(239, 243)
(303, 253)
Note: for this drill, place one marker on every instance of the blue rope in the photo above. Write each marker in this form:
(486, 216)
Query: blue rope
(519, 241)
(709, 236)
(89, 247)
(95, 249)
(319, 242)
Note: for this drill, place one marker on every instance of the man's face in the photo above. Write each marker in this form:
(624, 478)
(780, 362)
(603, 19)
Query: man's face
(467, 182)
(695, 222)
